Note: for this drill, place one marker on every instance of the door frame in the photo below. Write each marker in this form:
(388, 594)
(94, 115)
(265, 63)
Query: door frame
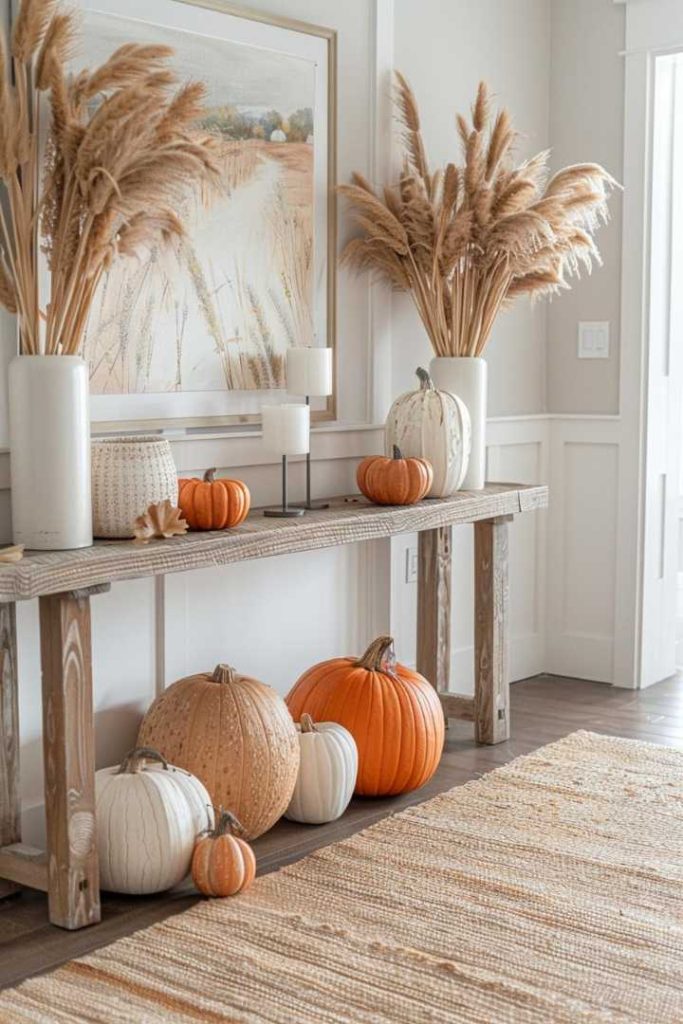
(653, 28)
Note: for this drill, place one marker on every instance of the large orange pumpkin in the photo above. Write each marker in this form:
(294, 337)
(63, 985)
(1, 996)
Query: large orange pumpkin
(393, 714)
(395, 480)
(233, 733)
(213, 504)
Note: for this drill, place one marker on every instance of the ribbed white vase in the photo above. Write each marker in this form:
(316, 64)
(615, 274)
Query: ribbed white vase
(49, 419)
(466, 377)
(128, 475)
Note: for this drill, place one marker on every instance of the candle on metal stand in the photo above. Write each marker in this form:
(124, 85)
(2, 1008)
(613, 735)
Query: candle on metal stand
(309, 373)
(286, 431)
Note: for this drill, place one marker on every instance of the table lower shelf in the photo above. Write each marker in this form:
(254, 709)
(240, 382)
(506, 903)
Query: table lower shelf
(24, 865)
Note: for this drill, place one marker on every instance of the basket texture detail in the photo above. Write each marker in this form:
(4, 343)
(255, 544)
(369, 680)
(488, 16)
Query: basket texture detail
(128, 475)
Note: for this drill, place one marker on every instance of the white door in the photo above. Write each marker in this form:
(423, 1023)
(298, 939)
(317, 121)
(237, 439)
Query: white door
(664, 374)
(651, 344)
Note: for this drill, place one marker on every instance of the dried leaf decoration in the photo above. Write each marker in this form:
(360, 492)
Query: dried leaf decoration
(160, 522)
(14, 553)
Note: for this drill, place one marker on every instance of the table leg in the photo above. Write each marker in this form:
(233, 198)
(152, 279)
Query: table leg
(10, 824)
(434, 606)
(68, 741)
(492, 685)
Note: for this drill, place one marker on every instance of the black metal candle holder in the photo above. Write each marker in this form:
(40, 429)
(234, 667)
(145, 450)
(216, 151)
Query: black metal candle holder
(286, 511)
(308, 505)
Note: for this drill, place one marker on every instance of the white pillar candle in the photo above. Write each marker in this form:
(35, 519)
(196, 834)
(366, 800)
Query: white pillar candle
(286, 429)
(309, 371)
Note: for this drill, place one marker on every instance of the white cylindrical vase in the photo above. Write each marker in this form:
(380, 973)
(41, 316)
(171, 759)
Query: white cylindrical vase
(49, 419)
(466, 377)
(128, 475)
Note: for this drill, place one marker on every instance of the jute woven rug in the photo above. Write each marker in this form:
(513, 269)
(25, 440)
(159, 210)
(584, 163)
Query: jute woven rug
(549, 890)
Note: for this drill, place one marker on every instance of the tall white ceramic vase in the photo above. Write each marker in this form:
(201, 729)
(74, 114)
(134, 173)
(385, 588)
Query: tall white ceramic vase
(49, 418)
(466, 377)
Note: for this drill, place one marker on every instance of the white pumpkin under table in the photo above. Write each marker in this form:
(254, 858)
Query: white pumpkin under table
(64, 582)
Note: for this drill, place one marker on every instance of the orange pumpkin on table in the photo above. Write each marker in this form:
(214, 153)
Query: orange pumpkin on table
(211, 503)
(222, 863)
(395, 480)
(393, 714)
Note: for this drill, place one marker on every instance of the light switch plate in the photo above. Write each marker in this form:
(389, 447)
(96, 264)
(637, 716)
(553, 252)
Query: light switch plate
(593, 341)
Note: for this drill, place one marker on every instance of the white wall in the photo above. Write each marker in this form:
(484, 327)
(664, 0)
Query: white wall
(274, 618)
(270, 619)
(444, 49)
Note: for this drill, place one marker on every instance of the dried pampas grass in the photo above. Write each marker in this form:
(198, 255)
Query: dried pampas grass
(121, 156)
(465, 240)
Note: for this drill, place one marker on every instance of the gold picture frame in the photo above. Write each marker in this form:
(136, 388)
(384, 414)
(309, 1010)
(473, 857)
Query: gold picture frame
(103, 424)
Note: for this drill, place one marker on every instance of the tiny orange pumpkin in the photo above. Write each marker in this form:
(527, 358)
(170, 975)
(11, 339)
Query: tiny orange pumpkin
(395, 480)
(213, 504)
(223, 864)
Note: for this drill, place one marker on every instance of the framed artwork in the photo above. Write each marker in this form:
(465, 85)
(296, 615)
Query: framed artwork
(199, 338)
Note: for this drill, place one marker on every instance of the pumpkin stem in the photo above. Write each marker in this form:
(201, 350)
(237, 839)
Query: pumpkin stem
(227, 824)
(224, 674)
(396, 452)
(210, 476)
(132, 762)
(307, 723)
(379, 657)
(426, 382)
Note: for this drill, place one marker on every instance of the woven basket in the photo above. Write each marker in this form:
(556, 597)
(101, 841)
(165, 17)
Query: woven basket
(128, 475)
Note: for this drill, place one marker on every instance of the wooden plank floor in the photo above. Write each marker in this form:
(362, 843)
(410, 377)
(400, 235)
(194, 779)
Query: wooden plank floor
(543, 710)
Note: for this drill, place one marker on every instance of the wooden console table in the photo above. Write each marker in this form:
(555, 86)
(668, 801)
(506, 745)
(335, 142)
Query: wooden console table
(64, 582)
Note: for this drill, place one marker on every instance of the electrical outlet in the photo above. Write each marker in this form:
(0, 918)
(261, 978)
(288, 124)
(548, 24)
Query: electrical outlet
(593, 340)
(411, 565)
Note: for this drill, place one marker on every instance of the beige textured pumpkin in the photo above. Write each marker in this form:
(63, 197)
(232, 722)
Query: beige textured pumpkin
(236, 735)
(433, 425)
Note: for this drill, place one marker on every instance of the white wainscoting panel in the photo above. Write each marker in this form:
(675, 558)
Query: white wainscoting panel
(516, 451)
(584, 478)
(275, 617)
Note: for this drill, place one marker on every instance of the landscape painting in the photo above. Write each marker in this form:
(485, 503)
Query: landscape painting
(203, 333)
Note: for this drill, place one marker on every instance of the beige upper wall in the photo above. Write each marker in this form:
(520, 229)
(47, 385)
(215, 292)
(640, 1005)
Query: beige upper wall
(556, 66)
(444, 47)
(586, 124)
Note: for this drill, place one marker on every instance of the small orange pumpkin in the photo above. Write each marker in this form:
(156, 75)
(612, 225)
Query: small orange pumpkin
(223, 864)
(393, 714)
(394, 481)
(211, 504)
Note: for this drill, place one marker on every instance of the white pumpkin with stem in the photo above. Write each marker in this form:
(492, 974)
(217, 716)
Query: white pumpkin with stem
(327, 772)
(434, 425)
(148, 820)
